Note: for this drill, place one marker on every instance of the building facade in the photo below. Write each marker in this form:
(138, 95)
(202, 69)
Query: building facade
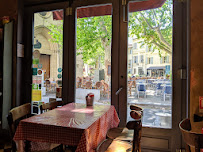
(144, 61)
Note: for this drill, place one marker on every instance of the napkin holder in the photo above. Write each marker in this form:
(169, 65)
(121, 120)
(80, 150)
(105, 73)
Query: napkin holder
(90, 99)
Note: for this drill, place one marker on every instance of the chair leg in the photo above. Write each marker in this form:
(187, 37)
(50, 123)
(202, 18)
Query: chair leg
(164, 97)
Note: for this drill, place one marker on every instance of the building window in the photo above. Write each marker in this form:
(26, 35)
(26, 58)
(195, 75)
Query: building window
(142, 45)
(149, 60)
(141, 58)
(149, 49)
(130, 51)
(164, 59)
(129, 63)
(135, 46)
(140, 71)
(135, 59)
(135, 71)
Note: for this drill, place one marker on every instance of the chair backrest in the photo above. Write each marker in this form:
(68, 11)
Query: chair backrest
(191, 138)
(137, 108)
(48, 106)
(98, 85)
(168, 89)
(88, 85)
(16, 114)
(52, 99)
(159, 86)
(141, 87)
(106, 86)
(136, 125)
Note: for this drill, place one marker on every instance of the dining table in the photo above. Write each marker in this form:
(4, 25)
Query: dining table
(73, 124)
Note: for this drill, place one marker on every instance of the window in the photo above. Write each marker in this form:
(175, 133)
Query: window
(140, 71)
(135, 46)
(142, 45)
(130, 51)
(164, 59)
(149, 49)
(141, 58)
(134, 70)
(135, 59)
(149, 60)
(129, 63)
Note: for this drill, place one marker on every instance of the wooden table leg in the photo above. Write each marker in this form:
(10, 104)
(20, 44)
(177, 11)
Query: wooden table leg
(28, 146)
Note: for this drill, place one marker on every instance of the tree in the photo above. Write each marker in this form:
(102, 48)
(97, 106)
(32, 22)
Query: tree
(93, 39)
(154, 27)
(94, 33)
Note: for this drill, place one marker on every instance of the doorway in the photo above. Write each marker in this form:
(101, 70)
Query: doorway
(44, 60)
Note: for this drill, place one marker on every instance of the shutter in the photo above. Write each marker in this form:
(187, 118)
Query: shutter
(136, 59)
(167, 59)
(161, 60)
(146, 60)
(151, 60)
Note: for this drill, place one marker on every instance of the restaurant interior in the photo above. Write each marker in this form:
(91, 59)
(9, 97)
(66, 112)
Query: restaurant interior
(65, 83)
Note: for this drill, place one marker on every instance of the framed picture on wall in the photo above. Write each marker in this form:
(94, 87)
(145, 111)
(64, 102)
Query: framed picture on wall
(109, 70)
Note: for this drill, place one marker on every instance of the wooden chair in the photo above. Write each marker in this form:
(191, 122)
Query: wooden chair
(88, 85)
(78, 82)
(48, 106)
(117, 144)
(124, 133)
(130, 84)
(15, 115)
(191, 139)
(106, 89)
(99, 86)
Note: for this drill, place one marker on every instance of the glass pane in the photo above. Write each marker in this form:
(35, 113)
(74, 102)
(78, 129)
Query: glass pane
(47, 58)
(93, 54)
(150, 63)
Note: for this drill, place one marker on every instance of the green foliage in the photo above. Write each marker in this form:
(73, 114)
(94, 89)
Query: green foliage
(56, 32)
(93, 37)
(154, 27)
(94, 33)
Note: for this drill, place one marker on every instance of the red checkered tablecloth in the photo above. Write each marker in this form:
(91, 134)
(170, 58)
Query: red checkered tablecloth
(73, 124)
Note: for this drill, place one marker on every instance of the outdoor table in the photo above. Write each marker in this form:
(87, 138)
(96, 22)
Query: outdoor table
(73, 124)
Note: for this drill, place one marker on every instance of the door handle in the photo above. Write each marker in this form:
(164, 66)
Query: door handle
(119, 90)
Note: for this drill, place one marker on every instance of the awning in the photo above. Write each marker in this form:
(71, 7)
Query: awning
(156, 68)
(107, 9)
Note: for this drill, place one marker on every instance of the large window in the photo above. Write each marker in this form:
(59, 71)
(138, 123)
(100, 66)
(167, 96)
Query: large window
(153, 89)
(47, 62)
(93, 57)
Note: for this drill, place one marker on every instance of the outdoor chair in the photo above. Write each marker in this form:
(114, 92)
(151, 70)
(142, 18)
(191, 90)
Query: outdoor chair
(167, 92)
(127, 139)
(141, 88)
(99, 85)
(159, 88)
(130, 84)
(78, 82)
(88, 85)
(106, 89)
(191, 139)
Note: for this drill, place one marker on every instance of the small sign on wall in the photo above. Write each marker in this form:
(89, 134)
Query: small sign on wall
(201, 104)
